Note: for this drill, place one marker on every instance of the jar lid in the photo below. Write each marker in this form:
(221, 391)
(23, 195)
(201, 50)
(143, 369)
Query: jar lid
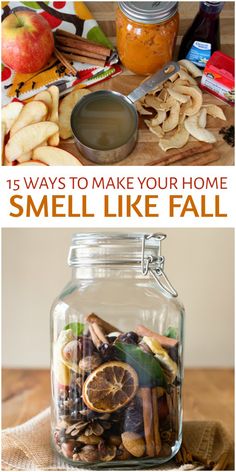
(111, 248)
(117, 249)
(149, 12)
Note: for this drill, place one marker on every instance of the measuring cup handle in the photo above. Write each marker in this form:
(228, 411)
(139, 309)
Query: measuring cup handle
(159, 77)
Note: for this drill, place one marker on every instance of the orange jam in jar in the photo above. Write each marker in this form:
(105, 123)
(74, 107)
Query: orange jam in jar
(146, 34)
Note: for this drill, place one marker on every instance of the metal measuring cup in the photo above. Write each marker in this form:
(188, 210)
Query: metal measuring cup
(109, 156)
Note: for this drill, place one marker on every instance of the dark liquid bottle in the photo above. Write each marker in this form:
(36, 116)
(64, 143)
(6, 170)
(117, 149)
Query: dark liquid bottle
(203, 36)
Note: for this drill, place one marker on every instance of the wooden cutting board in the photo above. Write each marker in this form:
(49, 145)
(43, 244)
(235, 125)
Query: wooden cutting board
(147, 149)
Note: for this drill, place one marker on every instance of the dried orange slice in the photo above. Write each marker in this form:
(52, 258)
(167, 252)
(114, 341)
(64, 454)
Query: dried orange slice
(110, 387)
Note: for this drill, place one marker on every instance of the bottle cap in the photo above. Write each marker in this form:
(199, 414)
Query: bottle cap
(149, 12)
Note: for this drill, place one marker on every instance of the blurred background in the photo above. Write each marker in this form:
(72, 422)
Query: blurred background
(199, 263)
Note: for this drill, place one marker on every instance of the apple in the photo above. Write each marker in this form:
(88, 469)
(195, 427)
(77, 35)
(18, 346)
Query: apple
(32, 163)
(54, 156)
(27, 41)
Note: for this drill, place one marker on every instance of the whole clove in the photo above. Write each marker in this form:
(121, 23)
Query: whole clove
(228, 135)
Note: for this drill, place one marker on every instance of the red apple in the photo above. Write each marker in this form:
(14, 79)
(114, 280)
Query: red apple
(27, 41)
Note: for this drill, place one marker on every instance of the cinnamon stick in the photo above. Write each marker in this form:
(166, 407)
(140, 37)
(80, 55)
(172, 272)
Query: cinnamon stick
(157, 437)
(179, 155)
(222, 462)
(146, 395)
(201, 160)
(96, 341)
(184, 454)
(99, 333)
(81, 47)
(106, 327)
(84, 59)
(202, 460)
(163, 340)
(179, 458)
(65, 62)
(70, 50)
(85, 43)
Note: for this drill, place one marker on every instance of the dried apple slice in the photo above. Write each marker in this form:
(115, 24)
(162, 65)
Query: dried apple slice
(181, 82)
(163, 95)
(202, 120)
(185, 76)
(61, 370)
(201, 134)
(157, 130)
(141, 110)
(169, 366)
(10, 113)
(54, 116)
(173, 119)
(177, 141)
(215, 111)
(191, 68)
(178, 96)
(32, 112)
(174, 77)
(157, 104)
(29, 138)
(159, 118)
(54, 156)
(196, 96)
(153, 102)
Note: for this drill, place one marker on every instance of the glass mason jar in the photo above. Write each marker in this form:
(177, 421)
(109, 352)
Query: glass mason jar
(146, 34)
(117, 345)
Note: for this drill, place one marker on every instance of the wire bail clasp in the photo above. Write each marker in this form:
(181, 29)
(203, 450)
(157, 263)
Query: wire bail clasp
(157, 272)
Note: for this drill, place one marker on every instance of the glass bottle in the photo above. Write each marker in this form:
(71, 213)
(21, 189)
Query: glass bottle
(203, 36)
(117, 347)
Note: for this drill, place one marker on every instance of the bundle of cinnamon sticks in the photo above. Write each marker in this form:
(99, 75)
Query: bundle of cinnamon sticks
(76, 48)
(149, 398)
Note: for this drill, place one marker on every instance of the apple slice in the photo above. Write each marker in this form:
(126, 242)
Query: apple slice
(32, 163)
(10, 113)
(3, 134)
(46, 98)
(54, 156)
(29, 138)
(32, 112)
(25, 157)
(54, 92)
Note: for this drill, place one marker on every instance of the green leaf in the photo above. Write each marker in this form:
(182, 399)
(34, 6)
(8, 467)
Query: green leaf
(77, 328)
(97, 35)
(147, 367)
(171, 332)
(33, 5)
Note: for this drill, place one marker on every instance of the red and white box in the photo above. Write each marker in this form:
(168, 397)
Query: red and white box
(218, 77)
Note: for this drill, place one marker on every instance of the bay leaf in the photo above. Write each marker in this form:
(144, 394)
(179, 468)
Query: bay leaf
(171, 332)
(76, 328)
(147, 367)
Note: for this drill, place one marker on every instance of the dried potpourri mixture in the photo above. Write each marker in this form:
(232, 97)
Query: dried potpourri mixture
(117, 393)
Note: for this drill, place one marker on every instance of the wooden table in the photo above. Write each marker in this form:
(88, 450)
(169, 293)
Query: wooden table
(147, 149)
(208, 395)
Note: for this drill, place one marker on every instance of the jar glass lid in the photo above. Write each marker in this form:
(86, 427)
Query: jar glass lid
(149, 12)
(111, 248)
(115, 249)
